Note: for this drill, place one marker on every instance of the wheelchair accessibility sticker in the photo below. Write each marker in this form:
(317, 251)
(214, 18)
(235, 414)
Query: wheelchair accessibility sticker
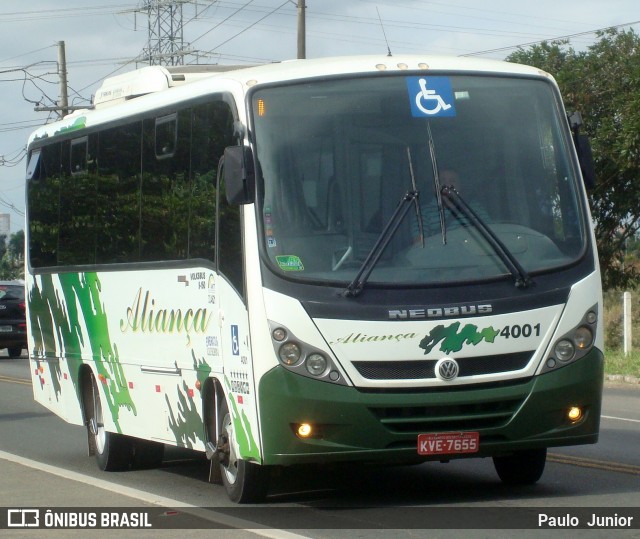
(431, 97)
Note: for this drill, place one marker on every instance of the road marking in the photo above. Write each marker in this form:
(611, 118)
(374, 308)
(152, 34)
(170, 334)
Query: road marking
(608, 466)
(154, 499)
(12, 380)
(620, 418)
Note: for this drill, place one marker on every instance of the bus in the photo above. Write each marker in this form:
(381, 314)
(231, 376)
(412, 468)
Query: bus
(359, 259)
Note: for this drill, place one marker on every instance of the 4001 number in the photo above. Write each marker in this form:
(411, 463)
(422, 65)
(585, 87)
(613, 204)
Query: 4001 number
(517, 331)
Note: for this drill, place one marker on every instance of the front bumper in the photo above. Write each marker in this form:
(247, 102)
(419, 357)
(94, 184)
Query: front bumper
(384, 425)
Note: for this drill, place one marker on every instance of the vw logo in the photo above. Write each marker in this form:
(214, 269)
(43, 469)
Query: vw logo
(447, 369)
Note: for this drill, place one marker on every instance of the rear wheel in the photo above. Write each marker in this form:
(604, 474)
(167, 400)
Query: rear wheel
(114, 452)
(244, 481)
(521, 468)
(147, 454)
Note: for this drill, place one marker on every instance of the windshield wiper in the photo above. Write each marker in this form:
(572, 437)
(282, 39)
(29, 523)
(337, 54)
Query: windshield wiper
(355, 287)
(522, 278)
(436, 183)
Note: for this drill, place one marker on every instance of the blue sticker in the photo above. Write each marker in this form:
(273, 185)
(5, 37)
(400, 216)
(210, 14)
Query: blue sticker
(431, 97)
(235, 341)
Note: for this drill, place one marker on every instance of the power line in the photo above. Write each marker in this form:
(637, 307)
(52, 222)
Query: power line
(559, 38)
(249, 27)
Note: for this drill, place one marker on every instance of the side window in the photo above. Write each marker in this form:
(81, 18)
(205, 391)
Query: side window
(142, 191)
(43, 192)
(118, 194)
(219, 118)
(230, 262)
(79, 150)
(212, 133)
(76, 242)
(166, 136)
(165, 187)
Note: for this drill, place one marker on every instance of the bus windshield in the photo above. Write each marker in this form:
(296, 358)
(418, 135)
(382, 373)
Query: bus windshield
(336, 158)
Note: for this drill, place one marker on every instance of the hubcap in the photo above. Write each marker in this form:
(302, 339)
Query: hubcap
(228, 457)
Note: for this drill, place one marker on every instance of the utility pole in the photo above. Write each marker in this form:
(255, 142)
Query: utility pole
(62, 106)
(302, 31)
(63, 103)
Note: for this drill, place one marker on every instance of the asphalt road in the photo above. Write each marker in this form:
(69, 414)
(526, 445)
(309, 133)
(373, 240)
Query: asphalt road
(43, 463)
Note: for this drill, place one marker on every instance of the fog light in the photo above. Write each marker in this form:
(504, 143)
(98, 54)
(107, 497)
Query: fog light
(574, 414)
(304, 430)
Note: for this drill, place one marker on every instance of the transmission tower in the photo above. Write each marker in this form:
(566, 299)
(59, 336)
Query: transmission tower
(166, 44)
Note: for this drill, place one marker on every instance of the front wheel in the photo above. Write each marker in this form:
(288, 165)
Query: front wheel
(114, 452)
(14, 352)
(244, 481)
(521, 468)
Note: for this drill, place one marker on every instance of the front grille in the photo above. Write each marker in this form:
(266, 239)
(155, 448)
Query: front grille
(447, 417)
(425, 368)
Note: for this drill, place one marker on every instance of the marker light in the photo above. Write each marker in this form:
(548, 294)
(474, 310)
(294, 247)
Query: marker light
(279, 334)
(261, 108)
(304, 430)
(574, 414)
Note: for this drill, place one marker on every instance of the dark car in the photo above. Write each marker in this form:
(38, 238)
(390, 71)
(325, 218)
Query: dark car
(13, 326)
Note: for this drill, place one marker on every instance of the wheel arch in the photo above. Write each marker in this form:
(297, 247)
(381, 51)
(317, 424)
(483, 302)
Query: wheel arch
(85, 378)
(212, 398)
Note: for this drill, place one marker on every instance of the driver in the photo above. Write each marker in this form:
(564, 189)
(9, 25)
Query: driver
(453, 217)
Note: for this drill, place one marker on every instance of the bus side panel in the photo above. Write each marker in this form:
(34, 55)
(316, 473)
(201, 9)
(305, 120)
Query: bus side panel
(150, 340)
(239, 385)
(53, 377)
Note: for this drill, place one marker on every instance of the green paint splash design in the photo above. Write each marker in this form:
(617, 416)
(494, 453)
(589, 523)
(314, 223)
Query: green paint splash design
(52, 315)
(187, 425)
(242, 428)
(453, 341)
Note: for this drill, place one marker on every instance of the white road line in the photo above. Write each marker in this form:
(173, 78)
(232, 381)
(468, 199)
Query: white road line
(151, 498)
(620, 418)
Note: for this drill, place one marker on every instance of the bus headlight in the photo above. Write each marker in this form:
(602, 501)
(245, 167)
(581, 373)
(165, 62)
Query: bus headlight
(564, 350)
(304, 359)
(289, 353)
(316, 364)
(575, 344)
(583, 337)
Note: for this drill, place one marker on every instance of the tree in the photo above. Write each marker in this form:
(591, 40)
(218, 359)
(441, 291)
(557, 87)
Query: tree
(12, 257)
(603, 83)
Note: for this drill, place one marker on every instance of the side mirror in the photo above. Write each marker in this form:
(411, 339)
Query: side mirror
(585, 156)
(239, 176)
(583, 149)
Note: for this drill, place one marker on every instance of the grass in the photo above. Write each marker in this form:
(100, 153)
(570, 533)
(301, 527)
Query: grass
(617, 363)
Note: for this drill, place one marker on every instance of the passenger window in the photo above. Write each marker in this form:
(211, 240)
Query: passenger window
(166, 136)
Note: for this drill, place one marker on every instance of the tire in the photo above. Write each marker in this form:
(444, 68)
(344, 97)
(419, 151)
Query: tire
(114, 452)
(521, 468)
(147, 454)
(15, 352)
(244, 481)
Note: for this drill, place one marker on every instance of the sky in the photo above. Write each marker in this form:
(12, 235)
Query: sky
(104, 37)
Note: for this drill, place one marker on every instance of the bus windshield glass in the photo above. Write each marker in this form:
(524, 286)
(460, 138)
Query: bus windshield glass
(337, 157)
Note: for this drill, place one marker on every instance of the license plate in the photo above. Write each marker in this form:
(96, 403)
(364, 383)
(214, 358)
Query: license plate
(6, 329)
(448, 443)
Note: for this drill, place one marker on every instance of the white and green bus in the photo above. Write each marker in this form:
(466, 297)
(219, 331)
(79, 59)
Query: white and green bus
(380, 259)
